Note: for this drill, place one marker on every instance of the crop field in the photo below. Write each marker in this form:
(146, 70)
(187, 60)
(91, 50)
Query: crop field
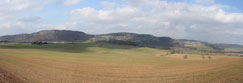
(105, 63)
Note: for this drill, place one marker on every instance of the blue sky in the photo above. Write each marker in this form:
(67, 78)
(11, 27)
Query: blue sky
(216, 21)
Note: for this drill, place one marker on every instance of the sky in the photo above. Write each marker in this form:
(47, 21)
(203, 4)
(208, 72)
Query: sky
(215, 21)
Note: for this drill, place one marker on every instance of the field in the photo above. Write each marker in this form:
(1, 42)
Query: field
(106, 63)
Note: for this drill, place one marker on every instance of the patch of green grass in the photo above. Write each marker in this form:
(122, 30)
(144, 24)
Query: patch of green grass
(69, 47)
(197, 45)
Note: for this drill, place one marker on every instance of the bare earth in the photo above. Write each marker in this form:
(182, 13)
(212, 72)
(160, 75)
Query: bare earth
(115, 66)
(6, 77)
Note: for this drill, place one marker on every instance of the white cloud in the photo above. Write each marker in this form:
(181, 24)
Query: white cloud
(9, 10)
(177, 20)
(157, 17)
(30, 19)
(204, 1)
(107, 4)
(106, 16)
(138, 3)
(11, 22)
(71, 2)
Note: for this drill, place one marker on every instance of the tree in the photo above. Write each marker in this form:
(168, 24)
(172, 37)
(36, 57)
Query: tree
(172, 52)
(39, 43)
(209, 57)
(185, 56)
(203, 57)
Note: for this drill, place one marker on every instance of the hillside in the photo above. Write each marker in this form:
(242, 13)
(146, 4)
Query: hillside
(121, 38)
(143, 40)
(48, 35)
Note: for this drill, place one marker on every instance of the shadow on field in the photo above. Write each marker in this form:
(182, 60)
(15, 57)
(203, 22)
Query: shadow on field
(68, 47)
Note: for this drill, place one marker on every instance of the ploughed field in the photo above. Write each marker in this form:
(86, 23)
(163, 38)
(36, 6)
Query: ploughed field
(106, 63)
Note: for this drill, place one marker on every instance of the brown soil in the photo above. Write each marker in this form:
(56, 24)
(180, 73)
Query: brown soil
(6, 77)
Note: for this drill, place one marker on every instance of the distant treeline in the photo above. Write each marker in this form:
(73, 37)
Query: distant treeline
(39, 43)
(4, 41)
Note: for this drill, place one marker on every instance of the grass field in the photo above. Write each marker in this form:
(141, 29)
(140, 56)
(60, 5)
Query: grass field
(105, 63)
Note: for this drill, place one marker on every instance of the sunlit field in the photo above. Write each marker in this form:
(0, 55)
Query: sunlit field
(106, 63)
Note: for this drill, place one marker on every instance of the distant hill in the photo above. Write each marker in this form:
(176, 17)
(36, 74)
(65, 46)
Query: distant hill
(121, 38)
(143, 40)
(192, 44)
(48, 35)
(199, 45)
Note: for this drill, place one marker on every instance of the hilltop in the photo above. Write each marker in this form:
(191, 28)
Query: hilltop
(48, 35)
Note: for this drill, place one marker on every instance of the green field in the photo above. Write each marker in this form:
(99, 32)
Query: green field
(106, 63)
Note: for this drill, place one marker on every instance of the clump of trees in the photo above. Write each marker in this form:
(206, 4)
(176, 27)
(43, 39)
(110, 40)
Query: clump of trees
(209, 57)
(172, 52)
(39, 43)
(4, 41)
(185, 57)
(203, 57)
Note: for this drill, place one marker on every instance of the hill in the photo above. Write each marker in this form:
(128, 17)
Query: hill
(143, 40)
(121, 38)
(48, 35)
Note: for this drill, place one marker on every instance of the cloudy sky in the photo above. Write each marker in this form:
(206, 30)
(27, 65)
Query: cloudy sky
(216, 21)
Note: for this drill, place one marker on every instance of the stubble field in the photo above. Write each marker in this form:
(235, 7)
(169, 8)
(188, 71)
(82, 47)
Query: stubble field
(84, 63)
